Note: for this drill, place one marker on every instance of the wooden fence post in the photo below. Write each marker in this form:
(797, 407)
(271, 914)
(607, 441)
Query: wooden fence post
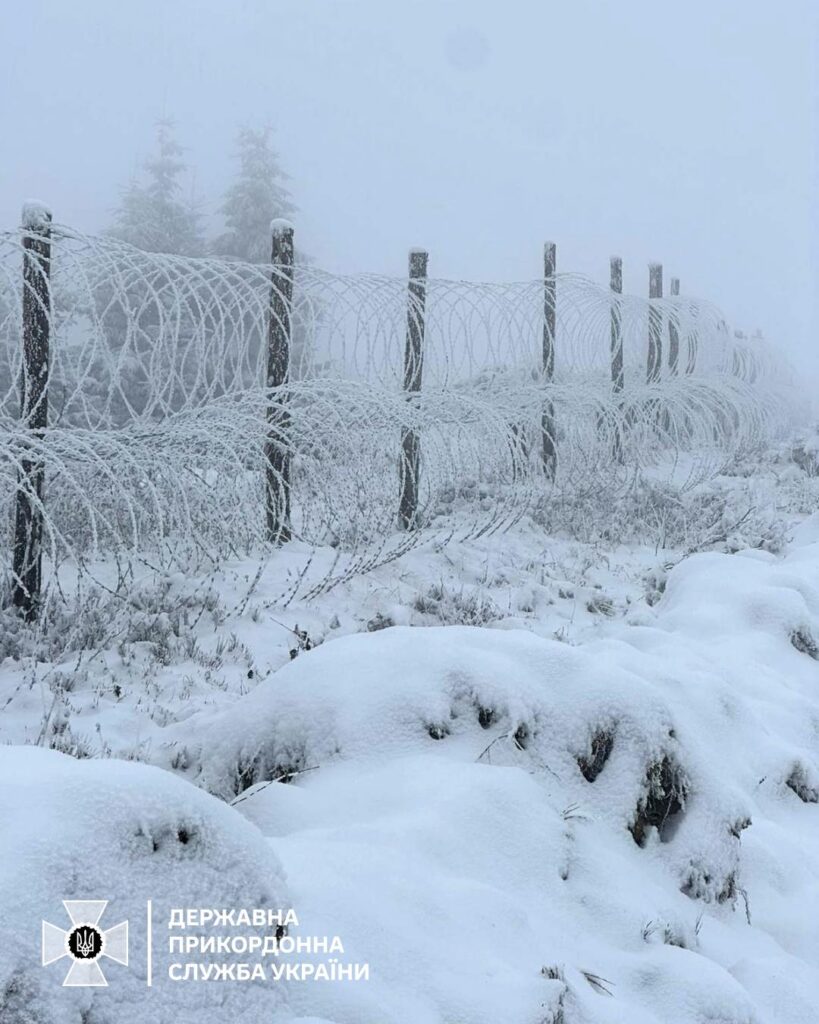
(277, 446)
(549, 325)
(27, 560)
(410, 464)
(738, 354)
(693, 342)
(674, 332)
(617, 377)
(655, 317)
(617, 374)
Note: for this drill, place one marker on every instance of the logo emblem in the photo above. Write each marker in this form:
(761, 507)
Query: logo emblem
(85, 942)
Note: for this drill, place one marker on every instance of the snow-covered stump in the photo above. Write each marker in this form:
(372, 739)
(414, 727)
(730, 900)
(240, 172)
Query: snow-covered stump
(277, 448)
(28, 512)
(549, 320)
(410, 463)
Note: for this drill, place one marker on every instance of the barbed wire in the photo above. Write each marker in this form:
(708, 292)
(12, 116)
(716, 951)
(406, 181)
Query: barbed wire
(159, 411)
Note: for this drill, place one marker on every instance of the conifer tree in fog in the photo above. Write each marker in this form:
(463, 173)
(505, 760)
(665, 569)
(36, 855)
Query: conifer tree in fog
(258, 194)
(153, 214)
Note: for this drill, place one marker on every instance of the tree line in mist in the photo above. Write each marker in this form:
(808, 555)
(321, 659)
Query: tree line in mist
(154, 213)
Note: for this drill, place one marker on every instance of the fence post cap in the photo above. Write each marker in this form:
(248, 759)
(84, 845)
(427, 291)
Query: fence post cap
(418, 262)
(36, 215)
(281, 226)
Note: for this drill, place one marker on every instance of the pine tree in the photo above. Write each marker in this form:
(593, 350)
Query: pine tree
(258, 195)
(152, 216)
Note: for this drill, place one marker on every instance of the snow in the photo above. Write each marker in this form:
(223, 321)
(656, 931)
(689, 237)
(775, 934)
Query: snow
(35, 215)
(281, 226)
(593, 804)
(472, 863)
(78, 830)
(448, 872)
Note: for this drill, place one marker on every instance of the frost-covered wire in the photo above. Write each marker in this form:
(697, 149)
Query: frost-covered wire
(159, 413)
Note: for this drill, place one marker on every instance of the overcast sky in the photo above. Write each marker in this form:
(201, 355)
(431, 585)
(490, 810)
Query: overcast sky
(683, 132)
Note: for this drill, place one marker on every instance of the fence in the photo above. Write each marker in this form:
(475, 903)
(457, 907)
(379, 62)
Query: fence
(190, 409)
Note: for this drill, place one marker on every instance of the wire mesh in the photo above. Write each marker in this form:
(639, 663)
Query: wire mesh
(158, 409)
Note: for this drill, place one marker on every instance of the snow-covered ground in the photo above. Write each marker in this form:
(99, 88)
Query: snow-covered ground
(527, 779)
(128, 833)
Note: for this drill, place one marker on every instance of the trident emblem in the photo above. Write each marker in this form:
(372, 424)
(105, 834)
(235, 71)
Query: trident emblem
(86, 940)
(85, 943)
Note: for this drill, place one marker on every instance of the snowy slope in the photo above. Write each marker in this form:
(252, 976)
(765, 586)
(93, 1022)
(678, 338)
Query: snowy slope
(450, 833)
(504, 825)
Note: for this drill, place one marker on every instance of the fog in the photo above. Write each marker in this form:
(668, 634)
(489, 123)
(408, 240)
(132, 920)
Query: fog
(683, 133)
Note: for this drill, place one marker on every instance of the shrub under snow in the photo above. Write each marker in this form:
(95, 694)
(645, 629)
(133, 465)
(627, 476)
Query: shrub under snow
(94, 830)
(528, 825)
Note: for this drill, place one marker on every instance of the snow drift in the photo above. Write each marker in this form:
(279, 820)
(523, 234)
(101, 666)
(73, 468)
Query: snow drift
(504, 826)
(625, 830)
(80, 830)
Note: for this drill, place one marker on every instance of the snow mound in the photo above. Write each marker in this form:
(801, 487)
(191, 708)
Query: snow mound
(475, 897)
(605, 731)
(640, 809)
(93, 830)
